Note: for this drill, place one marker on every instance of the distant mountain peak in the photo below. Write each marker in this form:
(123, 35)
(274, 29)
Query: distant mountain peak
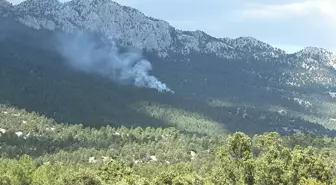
(40, 2)
(316, 51)
(319, 54)
(37, 7)
(248, 39)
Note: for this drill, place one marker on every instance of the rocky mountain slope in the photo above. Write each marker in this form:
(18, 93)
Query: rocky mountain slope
(111, 20)
(241, 77)
(128, 26)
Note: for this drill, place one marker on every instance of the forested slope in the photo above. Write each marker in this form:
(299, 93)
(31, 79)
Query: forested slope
(35, 77)
(37, 150)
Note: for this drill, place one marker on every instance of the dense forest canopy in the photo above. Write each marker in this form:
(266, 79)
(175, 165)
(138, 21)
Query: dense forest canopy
(37, 150)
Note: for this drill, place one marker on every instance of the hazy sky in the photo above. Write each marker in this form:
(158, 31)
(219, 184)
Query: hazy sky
(288, 24)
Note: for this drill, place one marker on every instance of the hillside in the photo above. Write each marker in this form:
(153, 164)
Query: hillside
(46, 140)
(237, 84)
(37, 79)
(38, 150)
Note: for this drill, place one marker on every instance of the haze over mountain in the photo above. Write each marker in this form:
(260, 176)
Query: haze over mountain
(228, 83)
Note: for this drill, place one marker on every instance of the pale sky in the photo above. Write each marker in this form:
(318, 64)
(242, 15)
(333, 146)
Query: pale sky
(287, 24)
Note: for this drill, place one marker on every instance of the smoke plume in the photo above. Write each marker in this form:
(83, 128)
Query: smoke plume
(85, 53)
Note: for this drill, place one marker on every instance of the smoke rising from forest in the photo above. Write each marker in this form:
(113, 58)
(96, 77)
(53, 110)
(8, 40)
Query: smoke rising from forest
(85, 53)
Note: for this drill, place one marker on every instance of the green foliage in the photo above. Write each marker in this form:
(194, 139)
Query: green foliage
(307, 164)
(240, 146)
(274, 163)
(234, 163)
(82, 178)
(36, 150)
(17, 172)
(48, 174)
(5, 180)
(311, 181)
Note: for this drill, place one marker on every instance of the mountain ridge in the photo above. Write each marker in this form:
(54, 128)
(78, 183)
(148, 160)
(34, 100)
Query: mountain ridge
(71, 15)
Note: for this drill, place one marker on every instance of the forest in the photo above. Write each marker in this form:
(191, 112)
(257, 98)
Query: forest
(37, 150)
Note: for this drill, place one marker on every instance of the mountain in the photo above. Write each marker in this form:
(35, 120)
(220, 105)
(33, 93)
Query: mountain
(238, 84)
(112, 20)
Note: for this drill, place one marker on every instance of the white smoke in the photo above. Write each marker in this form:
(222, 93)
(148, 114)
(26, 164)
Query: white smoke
(85, 53)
